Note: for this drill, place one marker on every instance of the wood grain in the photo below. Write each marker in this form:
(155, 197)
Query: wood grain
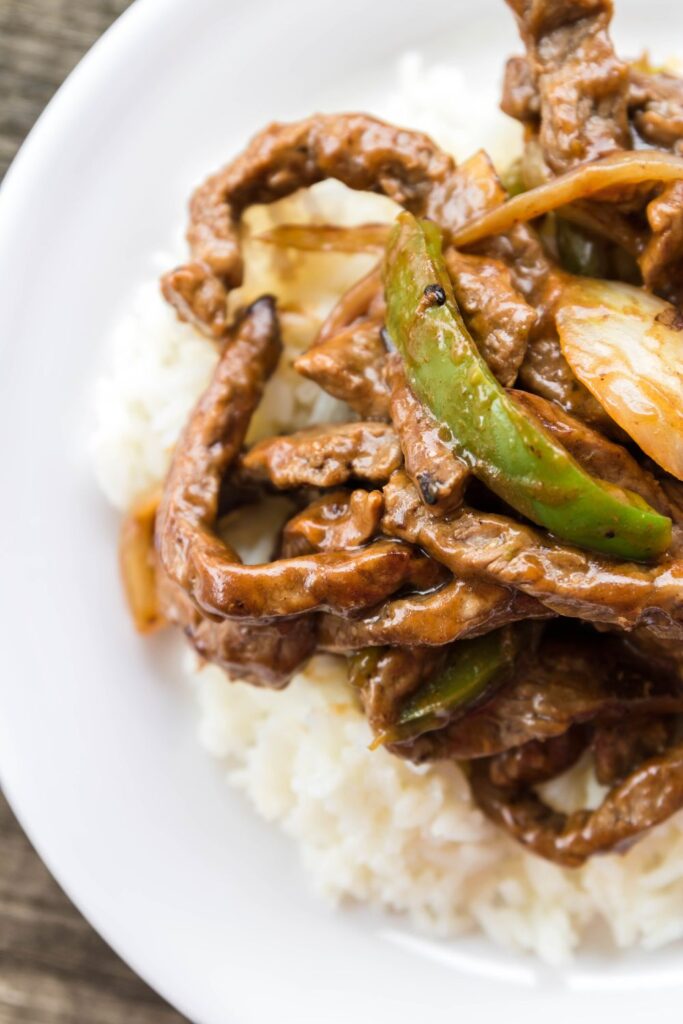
(54, 969)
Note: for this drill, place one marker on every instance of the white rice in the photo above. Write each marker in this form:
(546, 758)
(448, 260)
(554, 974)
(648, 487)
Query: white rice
(369, 826)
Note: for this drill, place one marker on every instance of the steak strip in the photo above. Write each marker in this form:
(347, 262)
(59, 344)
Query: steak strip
(495, 312)
(571, 582)
(361, 151)
(582, 85)
(538, 760)
(440, 476)
(325, 456)
(207, 569)
(568, 682)
(264, 653)
(335, 522)
(619, 747)
(458, 609)
(350, 366)
(649, 795)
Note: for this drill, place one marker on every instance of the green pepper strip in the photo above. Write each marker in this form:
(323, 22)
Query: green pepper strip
(472, 671)
(506, 447)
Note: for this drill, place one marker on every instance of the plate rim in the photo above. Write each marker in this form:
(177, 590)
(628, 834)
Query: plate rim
(21, 175)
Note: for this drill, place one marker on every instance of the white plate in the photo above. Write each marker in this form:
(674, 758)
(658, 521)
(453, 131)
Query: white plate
(97, 747)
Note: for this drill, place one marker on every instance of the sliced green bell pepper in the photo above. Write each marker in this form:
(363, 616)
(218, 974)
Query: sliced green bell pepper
(473, 669)
(505, 446)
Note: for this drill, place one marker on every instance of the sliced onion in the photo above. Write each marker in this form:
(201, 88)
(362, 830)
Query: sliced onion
(626, 346)
(136, 559)
(618, 169)
(328, 237)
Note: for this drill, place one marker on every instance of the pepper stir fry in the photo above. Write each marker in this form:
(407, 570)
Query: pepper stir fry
(494, 538)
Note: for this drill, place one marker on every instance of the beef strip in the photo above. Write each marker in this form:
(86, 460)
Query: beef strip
(657, 654)
(600, 457)
(264, 654)
(325, 456)
(439, 475)
(538, 761)
(198, 297)
(619, 747)
(583, 95)
(471, 189)
(360, 151)
(520, 97)
(207, 569)
(654, 101)
(570, 581)
(498, 317)
(335, 522)
(649, 795)
(458, 609)
(547, 373)
(570, 681)
(385, 676)
(582, 86)
(661, 261)
(350, 366)
(656, 105)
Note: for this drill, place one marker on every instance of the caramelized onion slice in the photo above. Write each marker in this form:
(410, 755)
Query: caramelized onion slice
(582, 182)
(626, 346)
(328, 237)
(137, 563)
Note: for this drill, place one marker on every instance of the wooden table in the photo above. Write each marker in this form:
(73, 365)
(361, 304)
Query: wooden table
(54, 969)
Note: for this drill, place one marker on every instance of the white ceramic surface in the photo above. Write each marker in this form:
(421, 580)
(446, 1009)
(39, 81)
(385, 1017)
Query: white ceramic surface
(97, 746)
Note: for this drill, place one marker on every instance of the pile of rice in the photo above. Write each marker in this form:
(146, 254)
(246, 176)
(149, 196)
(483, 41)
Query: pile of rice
(369, 826)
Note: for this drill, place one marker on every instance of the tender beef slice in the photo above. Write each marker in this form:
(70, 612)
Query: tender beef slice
(472, 189)
(264, 654)
(207, 569)
(350, 366)
(619, 747)
(538, 761)
(436, 471)
(600, 457)
(457, 609)
(650, 794)
(198, 297)
(360, 151)
(648, 651)
(582, 86)
(569, 681)
(567, 580)
(532, 272)
(547, 373)
(384, 677)
(335, 522)
(520, 97)
(656, 104)
(325, 456)
(497, 315)
(662, 259)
